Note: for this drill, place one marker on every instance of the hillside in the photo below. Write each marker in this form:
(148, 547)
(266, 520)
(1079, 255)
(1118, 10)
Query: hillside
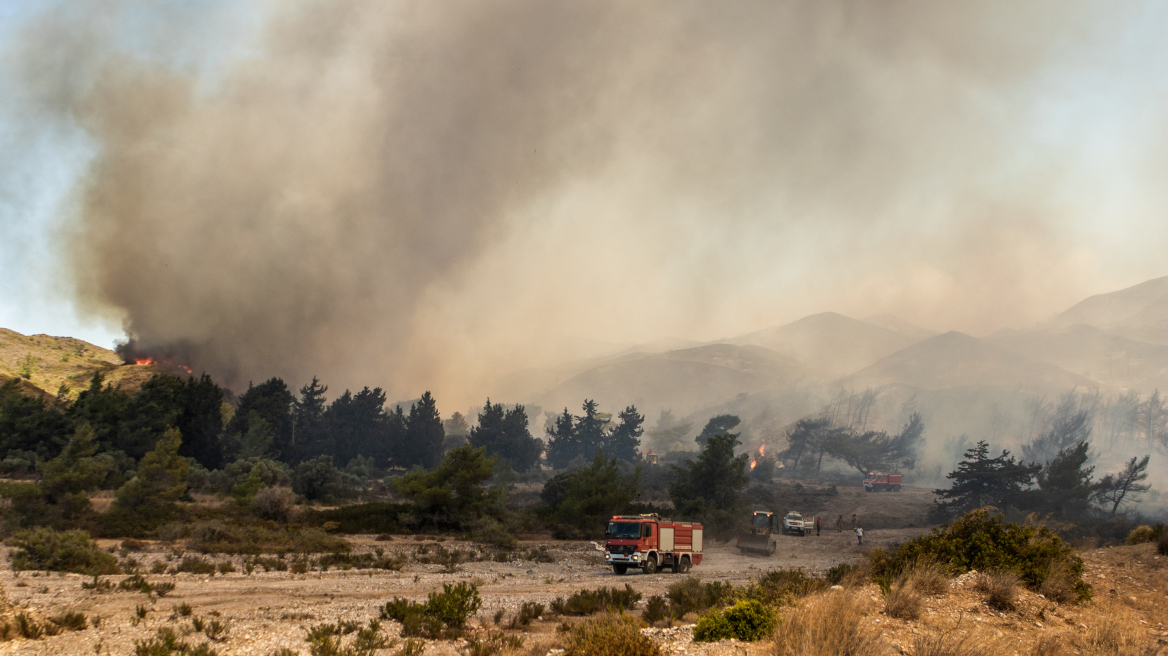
(830, 345)
(1090, 352)
(1139, 312)
(898, 325)
(955, 359)
(679, 380)
(51, 362)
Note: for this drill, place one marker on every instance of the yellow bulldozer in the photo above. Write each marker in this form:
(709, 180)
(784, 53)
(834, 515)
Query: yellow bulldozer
(760, 538)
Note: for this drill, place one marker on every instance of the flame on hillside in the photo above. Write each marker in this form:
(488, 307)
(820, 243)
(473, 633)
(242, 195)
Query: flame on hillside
(760, 456)
(132, 355)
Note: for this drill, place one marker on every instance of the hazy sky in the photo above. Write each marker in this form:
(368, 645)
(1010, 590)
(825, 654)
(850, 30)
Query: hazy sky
(426, 193)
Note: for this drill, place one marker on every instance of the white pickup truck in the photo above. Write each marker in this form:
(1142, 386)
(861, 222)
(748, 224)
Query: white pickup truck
(793, 523)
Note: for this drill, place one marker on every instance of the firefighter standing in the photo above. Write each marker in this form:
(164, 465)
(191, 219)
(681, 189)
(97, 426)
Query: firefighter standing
(817, 526)
(855, 522)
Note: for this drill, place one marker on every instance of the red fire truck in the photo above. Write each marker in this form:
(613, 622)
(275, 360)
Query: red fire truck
(651, 543)
(877, 481)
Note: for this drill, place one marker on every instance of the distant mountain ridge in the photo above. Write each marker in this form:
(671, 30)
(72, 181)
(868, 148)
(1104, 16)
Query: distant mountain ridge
(695, 377)
(953, 360)
(1139, 312)
(829, 344)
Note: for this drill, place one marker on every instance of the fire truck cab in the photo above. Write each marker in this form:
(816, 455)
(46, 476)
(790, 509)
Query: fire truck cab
(652, 543)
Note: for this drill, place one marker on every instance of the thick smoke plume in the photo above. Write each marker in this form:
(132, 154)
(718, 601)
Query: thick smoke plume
(420, 193)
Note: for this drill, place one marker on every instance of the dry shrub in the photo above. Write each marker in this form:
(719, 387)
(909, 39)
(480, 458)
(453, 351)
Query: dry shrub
(609, 635)
(902, 602)
(831, 627)
(1060, 585)
(1000, 588)
(274, 503)
(857, 576)
(1141, 534)
(1162, 544)
(946, 643)
(1115, 633)
(1049, 646)
(927, 578)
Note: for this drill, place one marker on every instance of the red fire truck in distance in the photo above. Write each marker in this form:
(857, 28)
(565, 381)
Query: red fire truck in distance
(651, 543)
(878, 481)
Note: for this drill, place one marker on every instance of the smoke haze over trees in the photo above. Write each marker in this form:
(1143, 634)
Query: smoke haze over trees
(354, 184)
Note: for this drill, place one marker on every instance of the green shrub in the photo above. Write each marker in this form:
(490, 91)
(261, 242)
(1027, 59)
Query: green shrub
(657, 610)
(527, 612)
(609, 635)
(837, 574)
(984, 542)
(361, 517)
(217, 537)
(779, 587)
(588, 602)
(71, 621)
(67, 551)
(346, 561)
(443, 615)
(747, 620)
(690, 595)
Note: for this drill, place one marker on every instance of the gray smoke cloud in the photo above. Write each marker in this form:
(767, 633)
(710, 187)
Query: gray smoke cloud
(425, 193)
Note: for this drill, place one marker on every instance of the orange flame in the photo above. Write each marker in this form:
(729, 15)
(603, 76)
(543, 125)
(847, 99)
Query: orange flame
(146, 361)
(762, 450)
(753, 463)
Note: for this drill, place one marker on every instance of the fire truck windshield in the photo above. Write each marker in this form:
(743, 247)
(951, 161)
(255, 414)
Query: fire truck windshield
(623, 531)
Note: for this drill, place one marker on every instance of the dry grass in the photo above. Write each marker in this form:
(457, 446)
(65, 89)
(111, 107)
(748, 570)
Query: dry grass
(858, 576)
(928, 578)
(1050, 646)
(1000, 589)
(1059, 586)
(946, 643)
(903, 602)
(828, 626)
(1115, 633)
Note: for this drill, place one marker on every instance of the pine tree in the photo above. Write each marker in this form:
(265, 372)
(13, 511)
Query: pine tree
(161, 477)
(562, 444)
(981, 481)
(424, 438)
(710, 489)
(1066, 484)
(624, 441)
(1117, 489)
(504, 434)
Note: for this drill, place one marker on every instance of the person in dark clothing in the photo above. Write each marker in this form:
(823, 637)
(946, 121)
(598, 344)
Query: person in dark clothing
(817, 526)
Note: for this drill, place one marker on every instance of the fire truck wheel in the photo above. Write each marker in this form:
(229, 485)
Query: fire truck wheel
(650, 566)
(620, 569)
(684, 565)
(896, 488)
(867, 489)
